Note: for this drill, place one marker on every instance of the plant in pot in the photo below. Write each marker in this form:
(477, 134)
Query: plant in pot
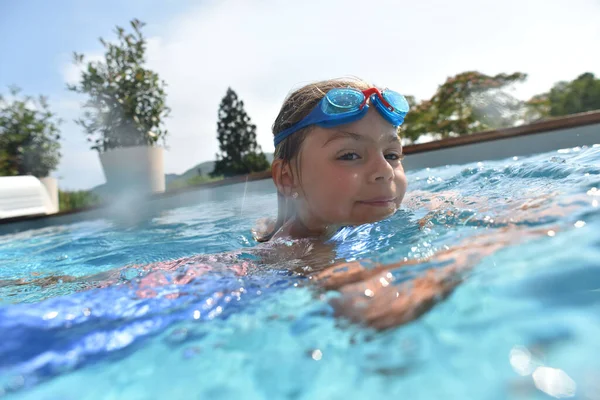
(29, 140)
(124, 113)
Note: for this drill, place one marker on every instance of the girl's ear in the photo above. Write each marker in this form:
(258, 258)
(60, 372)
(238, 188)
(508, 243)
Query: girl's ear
(283, 177)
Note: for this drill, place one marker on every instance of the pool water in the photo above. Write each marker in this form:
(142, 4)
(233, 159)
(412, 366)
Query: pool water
(524, 323)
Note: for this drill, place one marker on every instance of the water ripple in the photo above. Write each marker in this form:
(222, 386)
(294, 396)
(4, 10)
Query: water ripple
(79, 308)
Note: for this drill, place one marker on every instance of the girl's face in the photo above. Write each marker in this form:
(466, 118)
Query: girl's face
(351, 174)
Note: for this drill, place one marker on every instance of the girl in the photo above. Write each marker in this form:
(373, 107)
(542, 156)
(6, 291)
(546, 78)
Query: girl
(337, 158)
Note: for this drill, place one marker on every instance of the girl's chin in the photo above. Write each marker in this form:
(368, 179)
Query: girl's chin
(369, 218)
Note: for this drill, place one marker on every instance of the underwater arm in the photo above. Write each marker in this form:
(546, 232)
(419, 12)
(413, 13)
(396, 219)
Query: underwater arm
(371, 296)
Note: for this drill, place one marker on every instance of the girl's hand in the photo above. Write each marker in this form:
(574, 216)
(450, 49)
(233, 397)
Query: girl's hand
(381, 305)
(370, 296)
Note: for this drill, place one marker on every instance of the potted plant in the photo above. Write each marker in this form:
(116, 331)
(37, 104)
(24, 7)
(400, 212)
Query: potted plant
(124, 113)
(29, 140)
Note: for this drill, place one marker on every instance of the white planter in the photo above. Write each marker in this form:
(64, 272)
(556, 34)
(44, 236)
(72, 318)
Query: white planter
(134, 171)
(51, 185)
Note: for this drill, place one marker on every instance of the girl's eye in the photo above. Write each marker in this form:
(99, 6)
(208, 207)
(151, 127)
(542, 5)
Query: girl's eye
(349, 157)
(394, 157)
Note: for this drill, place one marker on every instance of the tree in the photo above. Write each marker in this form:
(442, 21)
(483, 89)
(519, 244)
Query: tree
(466, 103)
(418, 121)
(240, 154)
(565, 98)
(29, 136)
(127, 102)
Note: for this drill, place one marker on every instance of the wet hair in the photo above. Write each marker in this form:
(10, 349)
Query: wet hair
(295, 107)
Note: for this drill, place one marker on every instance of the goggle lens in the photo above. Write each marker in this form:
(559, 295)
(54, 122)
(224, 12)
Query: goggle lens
(397, 101)
(339, 101)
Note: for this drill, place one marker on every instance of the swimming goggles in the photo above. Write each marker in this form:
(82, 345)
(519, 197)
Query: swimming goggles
(345, 105)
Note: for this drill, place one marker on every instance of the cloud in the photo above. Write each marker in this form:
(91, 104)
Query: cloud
(79, 167)
(263, 49)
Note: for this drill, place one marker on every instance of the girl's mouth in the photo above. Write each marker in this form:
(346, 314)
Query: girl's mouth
(379, 202)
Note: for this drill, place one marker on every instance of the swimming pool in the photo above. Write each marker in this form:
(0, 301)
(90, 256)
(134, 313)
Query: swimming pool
(523, 325)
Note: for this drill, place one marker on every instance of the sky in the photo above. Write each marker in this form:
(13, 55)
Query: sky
(263, 49)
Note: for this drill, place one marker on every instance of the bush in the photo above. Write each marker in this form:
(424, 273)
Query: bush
(193, 181)
(127, 102)
(72, 200)
(29, 136)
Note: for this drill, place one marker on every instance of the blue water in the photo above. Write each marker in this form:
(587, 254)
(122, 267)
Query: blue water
(523, 324)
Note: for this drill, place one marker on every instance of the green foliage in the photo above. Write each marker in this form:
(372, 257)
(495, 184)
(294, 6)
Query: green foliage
(126, 103)
(240, 154)
(419, 120)
(466, 103)
(193, 181)
(72, 200)
(472, 102)
(536, 108)
(565, 98)
(29, 136)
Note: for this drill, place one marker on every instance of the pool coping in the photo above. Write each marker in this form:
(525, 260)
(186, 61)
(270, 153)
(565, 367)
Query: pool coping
(549, 125)
(209, 185)
(572, 121)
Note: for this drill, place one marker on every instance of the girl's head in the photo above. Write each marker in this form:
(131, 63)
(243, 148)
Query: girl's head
(345, 175)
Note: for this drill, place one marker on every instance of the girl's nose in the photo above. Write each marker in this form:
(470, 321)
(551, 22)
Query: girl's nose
(382, 170)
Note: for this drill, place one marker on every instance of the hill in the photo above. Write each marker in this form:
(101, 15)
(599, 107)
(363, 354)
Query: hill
(203, 169)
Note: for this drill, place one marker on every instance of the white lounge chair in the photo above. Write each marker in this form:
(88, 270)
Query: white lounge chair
(24, 196)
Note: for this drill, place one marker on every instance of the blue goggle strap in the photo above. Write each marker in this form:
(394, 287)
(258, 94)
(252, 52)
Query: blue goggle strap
(318, 117)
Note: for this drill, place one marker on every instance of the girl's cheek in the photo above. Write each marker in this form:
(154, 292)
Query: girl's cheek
(341, 185)
(403, 186)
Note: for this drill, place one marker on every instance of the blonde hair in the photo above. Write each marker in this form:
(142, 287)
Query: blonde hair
(296, 107)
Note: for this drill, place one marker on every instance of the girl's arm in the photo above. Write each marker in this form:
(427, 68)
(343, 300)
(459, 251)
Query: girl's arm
(370, 296)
